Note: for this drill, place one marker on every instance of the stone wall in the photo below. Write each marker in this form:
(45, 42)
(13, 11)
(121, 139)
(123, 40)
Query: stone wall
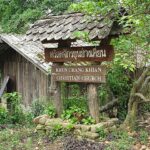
(86, 131)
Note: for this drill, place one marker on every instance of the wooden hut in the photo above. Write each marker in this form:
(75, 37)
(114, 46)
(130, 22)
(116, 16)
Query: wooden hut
(23, 63)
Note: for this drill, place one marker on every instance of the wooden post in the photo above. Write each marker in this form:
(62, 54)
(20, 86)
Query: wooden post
(55, 91)
(92, 97)
(93, 101)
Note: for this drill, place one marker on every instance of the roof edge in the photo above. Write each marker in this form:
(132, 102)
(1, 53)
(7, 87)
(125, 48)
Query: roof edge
(22, 54)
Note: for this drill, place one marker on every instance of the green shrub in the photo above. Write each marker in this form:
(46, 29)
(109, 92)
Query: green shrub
(77, 115)
(143, 138)
(50, 110)
(56, 131)
(3, 115)
(88, 120)
(37, 108)
(120, 84)
(16, 114)
(102, 133)
(75, 101)
(121, 140)
(74, 114)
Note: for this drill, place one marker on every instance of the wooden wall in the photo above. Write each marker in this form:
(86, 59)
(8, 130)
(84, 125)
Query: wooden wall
(31, 82)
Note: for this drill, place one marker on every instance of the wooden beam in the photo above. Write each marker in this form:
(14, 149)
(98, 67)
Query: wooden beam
(55, 91)
(93, 102)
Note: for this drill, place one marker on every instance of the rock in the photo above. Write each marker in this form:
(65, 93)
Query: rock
(85, 128)
(115, 120)
(36, 120)
(99, 125)
(65, 125)
(90, 135)
(42, 120)
(53, 122)
(143, 147)
(137, 146)
(77, 126)
(48, 128)
(77, 132)
(40, 127)
(112, 128)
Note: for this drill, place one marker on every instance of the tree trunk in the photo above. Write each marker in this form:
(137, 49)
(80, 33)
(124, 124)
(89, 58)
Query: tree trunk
(93, 102)
(136, 96)
(131, 117)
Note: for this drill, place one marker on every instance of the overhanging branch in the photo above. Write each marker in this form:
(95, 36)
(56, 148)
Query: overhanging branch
(142, 97)
(109, 105)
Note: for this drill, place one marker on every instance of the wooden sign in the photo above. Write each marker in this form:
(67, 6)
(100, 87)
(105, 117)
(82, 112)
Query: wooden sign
(89, 74)
(98, 54)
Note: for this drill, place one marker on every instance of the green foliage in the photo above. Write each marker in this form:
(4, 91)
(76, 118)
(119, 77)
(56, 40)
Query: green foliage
(102, 133)
(143, 138)
(103, 94)
(14, 107)
(3, 115)
(82, 35)
(58, 131)
(57, 6)
(74, 114)
(122, 141)
(16, 15)
(75, 101)
(75, 96)
(77, 115)
(37, 108)
(50, 110)
(135, 20)
(55, 132)
(120, 84)
(88, 120)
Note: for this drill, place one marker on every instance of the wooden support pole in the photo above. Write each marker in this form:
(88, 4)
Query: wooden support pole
(55, 91)
(93, 101)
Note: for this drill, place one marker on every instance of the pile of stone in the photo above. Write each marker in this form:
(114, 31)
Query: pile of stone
(46, 123)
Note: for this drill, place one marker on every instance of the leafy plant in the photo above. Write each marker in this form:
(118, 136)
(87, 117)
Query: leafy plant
(14, 107)
(143, 138)
(16, 15)
(56, 131)
(37, 108)
(102, 133)
(75, 101)
(50, 110)
(121, 140)
(74, 114)
(3, 115)
(88, 120)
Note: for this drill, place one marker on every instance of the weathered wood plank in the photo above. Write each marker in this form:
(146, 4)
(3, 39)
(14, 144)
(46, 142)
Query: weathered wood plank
(93, 102)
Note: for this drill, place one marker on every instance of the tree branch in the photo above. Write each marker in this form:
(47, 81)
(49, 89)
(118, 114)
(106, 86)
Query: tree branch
(142, 97)
(109, 105)
(144, 86)
(139, 82)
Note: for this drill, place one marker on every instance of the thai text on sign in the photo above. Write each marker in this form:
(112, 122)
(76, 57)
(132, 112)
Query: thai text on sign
(79, 54)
